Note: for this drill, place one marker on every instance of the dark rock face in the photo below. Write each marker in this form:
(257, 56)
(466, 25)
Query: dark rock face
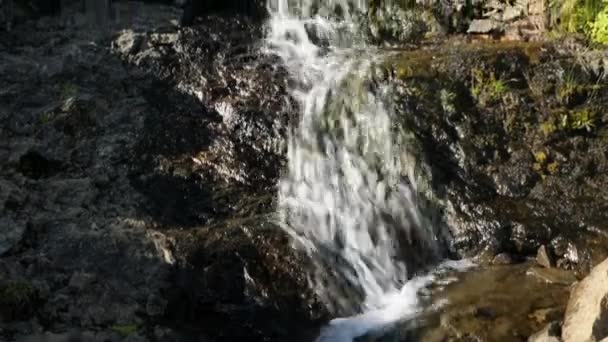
(137, 188)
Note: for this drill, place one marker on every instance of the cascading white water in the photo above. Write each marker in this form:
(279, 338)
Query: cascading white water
(348, 196)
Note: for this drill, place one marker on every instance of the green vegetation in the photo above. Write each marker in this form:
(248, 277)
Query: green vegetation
(583, 16)
(568, 89)
(488, 87)
(579, 119)
(573, 121)
(125, 330)
(598, 29)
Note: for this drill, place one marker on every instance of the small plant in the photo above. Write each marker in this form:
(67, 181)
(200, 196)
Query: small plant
(487, 87)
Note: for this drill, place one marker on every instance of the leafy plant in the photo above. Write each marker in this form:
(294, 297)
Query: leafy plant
(598, 30)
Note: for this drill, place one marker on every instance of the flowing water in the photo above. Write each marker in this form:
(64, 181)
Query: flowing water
(349, 195)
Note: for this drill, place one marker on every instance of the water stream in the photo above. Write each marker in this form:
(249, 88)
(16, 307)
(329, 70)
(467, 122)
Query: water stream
(349, 195)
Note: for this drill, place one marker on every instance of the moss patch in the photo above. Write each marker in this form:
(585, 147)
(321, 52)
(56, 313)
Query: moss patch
(125, 330)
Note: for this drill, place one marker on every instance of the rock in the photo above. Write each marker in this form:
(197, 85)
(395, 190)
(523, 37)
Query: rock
(511, 13)
(484, 26)
(503, 259)
(552, 275)
(550, 333)
(586, 316)
(79, 281)
(544, 258)
(11, 234)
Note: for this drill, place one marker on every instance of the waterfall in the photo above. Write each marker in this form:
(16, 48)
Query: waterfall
(348, 196)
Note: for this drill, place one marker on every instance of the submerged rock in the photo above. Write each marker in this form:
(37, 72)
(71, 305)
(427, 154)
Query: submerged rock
(552, 275)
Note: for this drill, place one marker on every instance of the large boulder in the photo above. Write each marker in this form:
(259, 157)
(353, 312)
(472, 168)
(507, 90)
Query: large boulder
(587, 312)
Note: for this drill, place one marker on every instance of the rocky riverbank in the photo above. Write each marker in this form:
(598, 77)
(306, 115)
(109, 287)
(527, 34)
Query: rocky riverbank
(141, 160)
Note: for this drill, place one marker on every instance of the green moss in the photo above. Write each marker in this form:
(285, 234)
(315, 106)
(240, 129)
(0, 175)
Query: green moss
(553, 167)
(540, 157)
(125, 330)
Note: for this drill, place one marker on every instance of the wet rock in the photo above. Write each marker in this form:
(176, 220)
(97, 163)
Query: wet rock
(526, 238)
(517, 178)
(552, 275)
(550, 333)
(544, 257)
(566, 252)
(586, 314)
